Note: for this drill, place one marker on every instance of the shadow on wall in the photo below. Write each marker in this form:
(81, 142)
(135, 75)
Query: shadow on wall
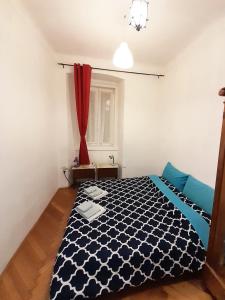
(73, 131)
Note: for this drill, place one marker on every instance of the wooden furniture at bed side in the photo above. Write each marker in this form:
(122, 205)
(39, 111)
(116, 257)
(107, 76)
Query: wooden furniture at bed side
(94, 172)
(106, 171)
(214, 271)
(84, 172)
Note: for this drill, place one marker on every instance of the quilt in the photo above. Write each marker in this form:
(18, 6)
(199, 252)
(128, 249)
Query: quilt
(141, 237)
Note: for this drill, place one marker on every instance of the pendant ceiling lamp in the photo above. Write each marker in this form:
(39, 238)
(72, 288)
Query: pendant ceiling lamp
(138, 18)
(139, 14)
(123, 57)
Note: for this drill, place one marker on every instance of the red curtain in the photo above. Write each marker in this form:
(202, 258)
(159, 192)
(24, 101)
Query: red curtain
(82, 82)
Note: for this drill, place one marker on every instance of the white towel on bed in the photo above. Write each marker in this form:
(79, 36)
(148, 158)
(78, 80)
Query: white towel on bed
(95, 192)
(90, 210)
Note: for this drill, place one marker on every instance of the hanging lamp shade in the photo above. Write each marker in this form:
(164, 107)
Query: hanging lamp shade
(139, 14)
(123, 57)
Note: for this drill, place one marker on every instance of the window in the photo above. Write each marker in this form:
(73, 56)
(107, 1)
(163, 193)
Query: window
(101, 131)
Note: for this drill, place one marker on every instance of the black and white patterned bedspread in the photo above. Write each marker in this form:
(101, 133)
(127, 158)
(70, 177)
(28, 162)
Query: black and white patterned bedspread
(140, 237)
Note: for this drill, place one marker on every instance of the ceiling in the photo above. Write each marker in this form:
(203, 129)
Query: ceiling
(95, 28)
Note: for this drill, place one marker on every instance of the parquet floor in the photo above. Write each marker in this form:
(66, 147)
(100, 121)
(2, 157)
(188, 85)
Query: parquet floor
(28, 274)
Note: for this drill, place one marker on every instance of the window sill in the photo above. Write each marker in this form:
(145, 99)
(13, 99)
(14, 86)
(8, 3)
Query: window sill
(103, 149)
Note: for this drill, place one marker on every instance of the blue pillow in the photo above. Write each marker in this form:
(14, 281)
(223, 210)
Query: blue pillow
(199, 193)
(174, 176)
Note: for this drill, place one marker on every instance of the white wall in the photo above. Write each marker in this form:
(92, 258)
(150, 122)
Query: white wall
(28, 145)
(140, 96)
(190, 111)
(140, 125)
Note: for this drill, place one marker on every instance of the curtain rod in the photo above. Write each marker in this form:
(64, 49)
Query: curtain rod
(119, 71)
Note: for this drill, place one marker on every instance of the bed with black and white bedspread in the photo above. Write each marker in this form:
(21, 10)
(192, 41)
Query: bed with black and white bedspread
(141, 237)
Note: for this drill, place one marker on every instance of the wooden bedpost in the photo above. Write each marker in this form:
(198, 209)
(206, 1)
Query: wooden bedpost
(214, 270)
(222, 92)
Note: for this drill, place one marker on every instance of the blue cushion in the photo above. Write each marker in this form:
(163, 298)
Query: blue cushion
(199, 193)
(174, 176)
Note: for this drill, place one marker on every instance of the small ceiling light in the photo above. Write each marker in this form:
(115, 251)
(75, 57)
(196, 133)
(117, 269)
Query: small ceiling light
(139, 14)
(123, 57)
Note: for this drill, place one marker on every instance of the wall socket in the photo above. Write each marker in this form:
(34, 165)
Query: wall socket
(65, 169)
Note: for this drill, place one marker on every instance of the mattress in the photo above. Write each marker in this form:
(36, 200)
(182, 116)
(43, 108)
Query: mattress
(141, 237)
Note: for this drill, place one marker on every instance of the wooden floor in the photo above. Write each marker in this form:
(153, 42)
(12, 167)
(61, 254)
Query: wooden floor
(28, 274)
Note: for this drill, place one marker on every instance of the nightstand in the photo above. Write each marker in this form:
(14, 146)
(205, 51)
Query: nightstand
(106, 171)
(83, 172)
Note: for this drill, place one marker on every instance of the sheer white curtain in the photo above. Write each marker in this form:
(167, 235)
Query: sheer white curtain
(93, 117)
(107, 114)
(101, 117)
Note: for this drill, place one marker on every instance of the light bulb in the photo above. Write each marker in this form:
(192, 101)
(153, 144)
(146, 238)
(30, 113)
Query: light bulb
(123, 57)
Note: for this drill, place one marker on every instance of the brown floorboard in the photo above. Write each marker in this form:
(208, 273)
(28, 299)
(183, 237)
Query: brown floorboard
(28, 274)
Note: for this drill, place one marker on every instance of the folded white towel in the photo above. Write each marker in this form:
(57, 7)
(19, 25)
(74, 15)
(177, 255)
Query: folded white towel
(100, 195)
(94, 211)
(99, 213)
(90, 189)
(83, 207)
(95, 192)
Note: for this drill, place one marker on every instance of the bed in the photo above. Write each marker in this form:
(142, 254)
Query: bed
(141, 237)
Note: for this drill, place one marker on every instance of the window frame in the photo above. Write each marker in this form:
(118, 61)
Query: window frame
(97, 147)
